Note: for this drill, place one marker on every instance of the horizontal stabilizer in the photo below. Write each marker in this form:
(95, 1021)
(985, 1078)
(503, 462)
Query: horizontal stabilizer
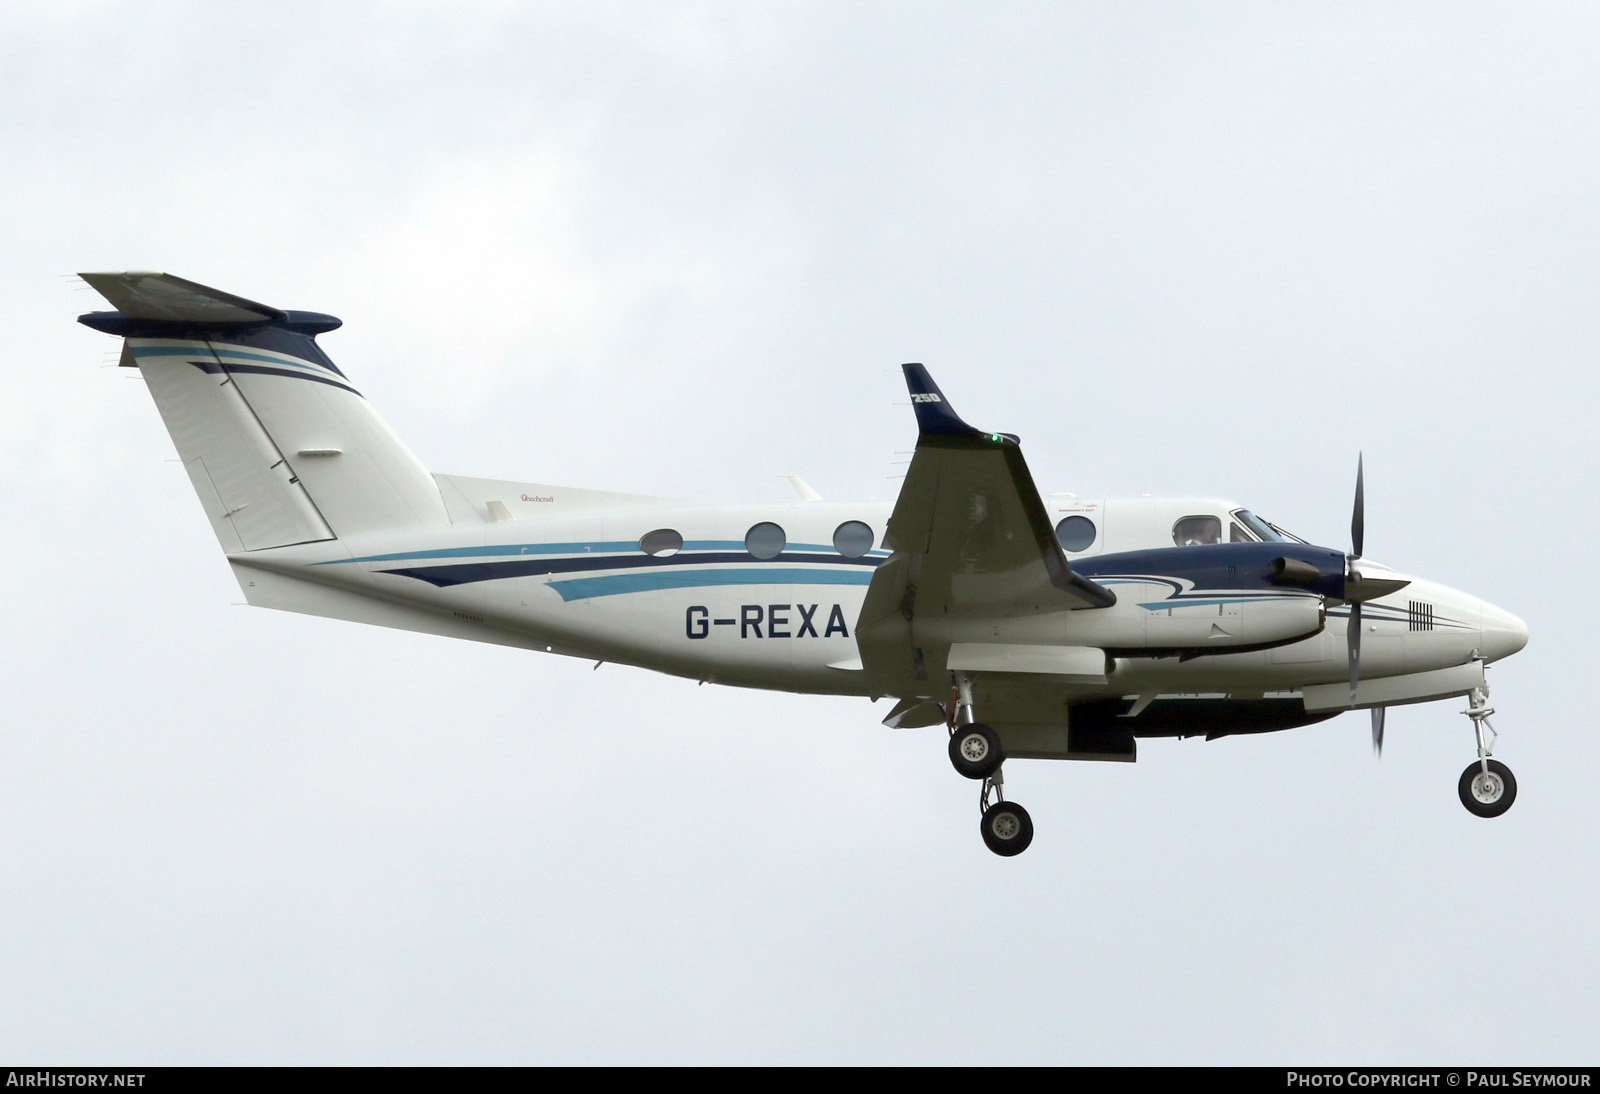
(160, 296)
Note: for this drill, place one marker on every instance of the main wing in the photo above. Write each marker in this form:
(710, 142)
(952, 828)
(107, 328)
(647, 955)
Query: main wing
(970, 538)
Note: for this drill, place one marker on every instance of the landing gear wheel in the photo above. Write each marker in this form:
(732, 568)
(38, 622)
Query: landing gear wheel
(975, 750)
(1487, 794)
(1007, 829)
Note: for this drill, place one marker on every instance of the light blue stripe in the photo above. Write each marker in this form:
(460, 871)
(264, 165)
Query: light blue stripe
(509, 549)
(513, 550)
(584, 588)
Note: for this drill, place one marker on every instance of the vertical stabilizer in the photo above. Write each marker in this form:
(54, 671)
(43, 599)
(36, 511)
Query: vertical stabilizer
(279, 445)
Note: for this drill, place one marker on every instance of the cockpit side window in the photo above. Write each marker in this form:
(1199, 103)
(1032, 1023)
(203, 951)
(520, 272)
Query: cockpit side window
(1192, 531)
(1237, 534)
(1260, 528)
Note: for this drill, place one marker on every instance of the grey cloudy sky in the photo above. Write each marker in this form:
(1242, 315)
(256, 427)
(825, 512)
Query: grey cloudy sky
(679, 249)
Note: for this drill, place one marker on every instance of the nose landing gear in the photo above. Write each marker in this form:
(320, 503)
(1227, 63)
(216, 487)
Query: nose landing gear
(1487, 787)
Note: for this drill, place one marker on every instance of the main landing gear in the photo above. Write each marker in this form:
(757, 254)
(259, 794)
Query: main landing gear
(975, 753)
(1487, 787)
(1006, 827)
(975, 750)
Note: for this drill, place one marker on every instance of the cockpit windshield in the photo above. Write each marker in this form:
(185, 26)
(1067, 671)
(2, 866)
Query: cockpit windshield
(1264, 530)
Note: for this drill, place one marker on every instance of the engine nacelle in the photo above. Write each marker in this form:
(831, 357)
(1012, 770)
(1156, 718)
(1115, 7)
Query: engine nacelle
(1201, 624)
(1223, 597)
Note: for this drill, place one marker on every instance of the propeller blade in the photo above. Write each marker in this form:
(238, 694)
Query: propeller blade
(1358, 519)
(1353, 636)
(1377, 731)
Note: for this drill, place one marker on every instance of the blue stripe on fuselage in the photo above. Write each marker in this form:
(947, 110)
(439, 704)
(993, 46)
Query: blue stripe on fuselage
(470, 572)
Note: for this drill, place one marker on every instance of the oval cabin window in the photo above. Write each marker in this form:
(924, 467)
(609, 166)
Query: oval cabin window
(1076, 533)
(662, 543)
(852, 539)
(765, 541)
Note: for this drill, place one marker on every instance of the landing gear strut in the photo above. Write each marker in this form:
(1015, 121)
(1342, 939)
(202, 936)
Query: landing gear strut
(976, 753)
(1487, 787)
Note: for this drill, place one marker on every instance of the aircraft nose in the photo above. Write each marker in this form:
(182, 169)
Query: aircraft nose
(1503, 633)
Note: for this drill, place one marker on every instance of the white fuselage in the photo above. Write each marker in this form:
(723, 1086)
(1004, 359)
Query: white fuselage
(566, 573)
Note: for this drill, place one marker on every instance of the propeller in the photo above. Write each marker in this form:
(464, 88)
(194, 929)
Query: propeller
(1363, 580)
(1358, 529)
(1361, 586)
(1358, 518)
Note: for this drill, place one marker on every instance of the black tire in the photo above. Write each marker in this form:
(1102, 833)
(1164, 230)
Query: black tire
(1490, 796)
(975, 750)
(1007, 829)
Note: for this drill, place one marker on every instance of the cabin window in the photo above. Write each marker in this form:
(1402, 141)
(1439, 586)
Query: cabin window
(1076, 533)
(1192, 531)
(852, 539)
(662, 543)
(765, 540)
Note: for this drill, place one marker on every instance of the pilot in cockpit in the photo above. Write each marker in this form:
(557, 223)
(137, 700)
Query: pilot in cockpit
(1195, 531)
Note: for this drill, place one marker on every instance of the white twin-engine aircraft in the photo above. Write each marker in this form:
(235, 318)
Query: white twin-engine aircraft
(1030, 629)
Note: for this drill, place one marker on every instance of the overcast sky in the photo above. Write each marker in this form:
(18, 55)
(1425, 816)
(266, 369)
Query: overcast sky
(680, 249)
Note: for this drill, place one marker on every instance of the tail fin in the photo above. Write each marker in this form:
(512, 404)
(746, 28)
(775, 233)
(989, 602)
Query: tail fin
(279, 445)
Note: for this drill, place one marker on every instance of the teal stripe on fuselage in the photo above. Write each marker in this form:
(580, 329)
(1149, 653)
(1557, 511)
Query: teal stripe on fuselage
(589, 548)
(584, 588)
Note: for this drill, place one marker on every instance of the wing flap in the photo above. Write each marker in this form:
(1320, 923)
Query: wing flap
(1068, 664)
